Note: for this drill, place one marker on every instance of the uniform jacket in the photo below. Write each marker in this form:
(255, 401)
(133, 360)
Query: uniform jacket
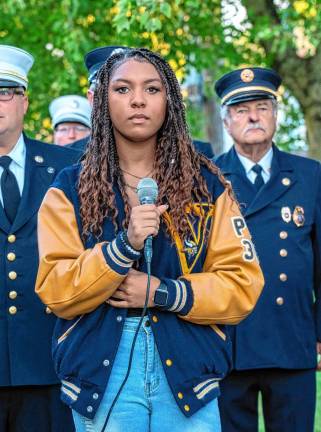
(284, 219)
(25, 324)
(203, 147)
(75, 279)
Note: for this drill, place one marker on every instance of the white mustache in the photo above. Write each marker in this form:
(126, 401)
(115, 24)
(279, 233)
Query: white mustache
(254, 126)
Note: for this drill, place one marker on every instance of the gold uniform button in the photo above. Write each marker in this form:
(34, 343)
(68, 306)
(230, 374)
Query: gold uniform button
(155, 319)
(186, 408)
(11, 256)
(283, 277)
(283, 235)
(12, 275)
(286, 181)
(11, 238)
(169, 362)
(48, 310)
(280, 301)
(13, 295)
(283, 252)
(180, 395)
(12, 310)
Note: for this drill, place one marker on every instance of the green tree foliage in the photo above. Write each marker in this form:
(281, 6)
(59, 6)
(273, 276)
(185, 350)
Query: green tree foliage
(211, 35)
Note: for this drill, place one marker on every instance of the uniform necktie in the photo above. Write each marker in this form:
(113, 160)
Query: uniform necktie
(9, 188)
(259, 182)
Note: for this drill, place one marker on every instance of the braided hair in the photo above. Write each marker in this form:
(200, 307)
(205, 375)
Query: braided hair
(176, 166)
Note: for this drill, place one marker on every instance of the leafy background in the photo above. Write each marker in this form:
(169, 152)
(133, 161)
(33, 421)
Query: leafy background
(201, 37)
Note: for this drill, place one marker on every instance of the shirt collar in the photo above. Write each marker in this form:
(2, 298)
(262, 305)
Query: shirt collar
(265, 162)
(18, 153)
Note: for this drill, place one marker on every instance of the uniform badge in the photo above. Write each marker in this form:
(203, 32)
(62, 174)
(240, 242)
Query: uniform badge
(247, 75)
(38, 159)
(286, 214)
(298, 216)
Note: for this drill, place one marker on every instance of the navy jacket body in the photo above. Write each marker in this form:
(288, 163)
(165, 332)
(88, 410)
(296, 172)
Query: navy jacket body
(285, 325)
(25, 324)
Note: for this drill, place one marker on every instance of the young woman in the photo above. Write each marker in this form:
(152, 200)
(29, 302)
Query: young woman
(92, 271)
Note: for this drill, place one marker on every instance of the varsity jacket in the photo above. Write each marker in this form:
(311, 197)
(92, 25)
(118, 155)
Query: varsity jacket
(213, 279)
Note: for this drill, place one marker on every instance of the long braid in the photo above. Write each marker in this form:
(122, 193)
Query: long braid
(177, 164)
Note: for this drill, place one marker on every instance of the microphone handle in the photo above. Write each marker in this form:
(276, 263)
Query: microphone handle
(148, 249)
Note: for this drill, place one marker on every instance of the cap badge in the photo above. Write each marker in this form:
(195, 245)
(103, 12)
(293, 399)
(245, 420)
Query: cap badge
(286, 214)
(117, 51)
(75, 104)
(298, 216)
(247, 75)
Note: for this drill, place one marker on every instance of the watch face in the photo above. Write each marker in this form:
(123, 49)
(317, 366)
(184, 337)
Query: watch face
(160, 297)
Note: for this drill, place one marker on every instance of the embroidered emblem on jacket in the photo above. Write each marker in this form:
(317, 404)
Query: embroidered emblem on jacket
(190, 250)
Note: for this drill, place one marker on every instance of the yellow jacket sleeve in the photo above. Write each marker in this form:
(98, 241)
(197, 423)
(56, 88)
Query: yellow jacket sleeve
(232, 280)
(73, 280)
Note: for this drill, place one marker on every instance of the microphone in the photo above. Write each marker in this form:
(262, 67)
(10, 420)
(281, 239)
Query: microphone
(147, 191)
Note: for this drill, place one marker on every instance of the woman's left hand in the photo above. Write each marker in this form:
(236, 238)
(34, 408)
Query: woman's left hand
(132, 292)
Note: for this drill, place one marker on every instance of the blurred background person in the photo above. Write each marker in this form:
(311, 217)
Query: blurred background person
(70, 116)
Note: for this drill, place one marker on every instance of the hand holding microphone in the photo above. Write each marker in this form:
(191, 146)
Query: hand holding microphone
(145, 219)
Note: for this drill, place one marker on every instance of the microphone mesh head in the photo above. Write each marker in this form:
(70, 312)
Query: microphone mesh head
(147, 191)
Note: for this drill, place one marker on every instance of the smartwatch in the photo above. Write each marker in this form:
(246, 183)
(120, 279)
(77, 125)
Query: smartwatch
(161, 295)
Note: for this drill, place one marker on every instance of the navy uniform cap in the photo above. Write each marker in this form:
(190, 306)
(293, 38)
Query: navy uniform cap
(97, 57)
(243, 85)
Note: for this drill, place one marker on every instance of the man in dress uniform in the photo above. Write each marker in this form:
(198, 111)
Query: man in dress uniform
(70, 116)
(29, 390)
(94, 61)
(275, 348)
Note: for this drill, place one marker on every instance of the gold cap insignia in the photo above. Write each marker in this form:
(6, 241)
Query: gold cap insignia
(298, 216)
(247, 75)
(286, 214)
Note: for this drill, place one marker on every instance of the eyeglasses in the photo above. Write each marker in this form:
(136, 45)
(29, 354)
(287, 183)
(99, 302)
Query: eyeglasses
(64, 130)
(7, 93)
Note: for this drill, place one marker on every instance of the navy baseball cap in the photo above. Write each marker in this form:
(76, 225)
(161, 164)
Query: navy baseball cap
(243, 85)
(97, 57)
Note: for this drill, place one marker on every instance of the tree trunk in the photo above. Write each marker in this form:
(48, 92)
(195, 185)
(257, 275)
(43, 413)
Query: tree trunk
(312, 118)
(301, 75)
(214, 125)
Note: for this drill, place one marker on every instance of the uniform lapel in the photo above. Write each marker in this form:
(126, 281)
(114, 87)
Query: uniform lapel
(234, 171)
(282, 179)
(38, 177)
(4, 223)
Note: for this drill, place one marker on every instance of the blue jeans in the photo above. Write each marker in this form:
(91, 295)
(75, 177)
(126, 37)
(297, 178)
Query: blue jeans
(146, 403)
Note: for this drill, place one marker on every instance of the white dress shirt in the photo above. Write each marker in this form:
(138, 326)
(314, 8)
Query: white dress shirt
(265, 163)
(17, 165)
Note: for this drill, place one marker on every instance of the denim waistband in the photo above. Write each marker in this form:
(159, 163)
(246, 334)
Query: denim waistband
(131, 323)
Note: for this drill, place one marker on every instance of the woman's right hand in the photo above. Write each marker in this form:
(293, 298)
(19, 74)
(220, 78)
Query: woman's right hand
(144, 221)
